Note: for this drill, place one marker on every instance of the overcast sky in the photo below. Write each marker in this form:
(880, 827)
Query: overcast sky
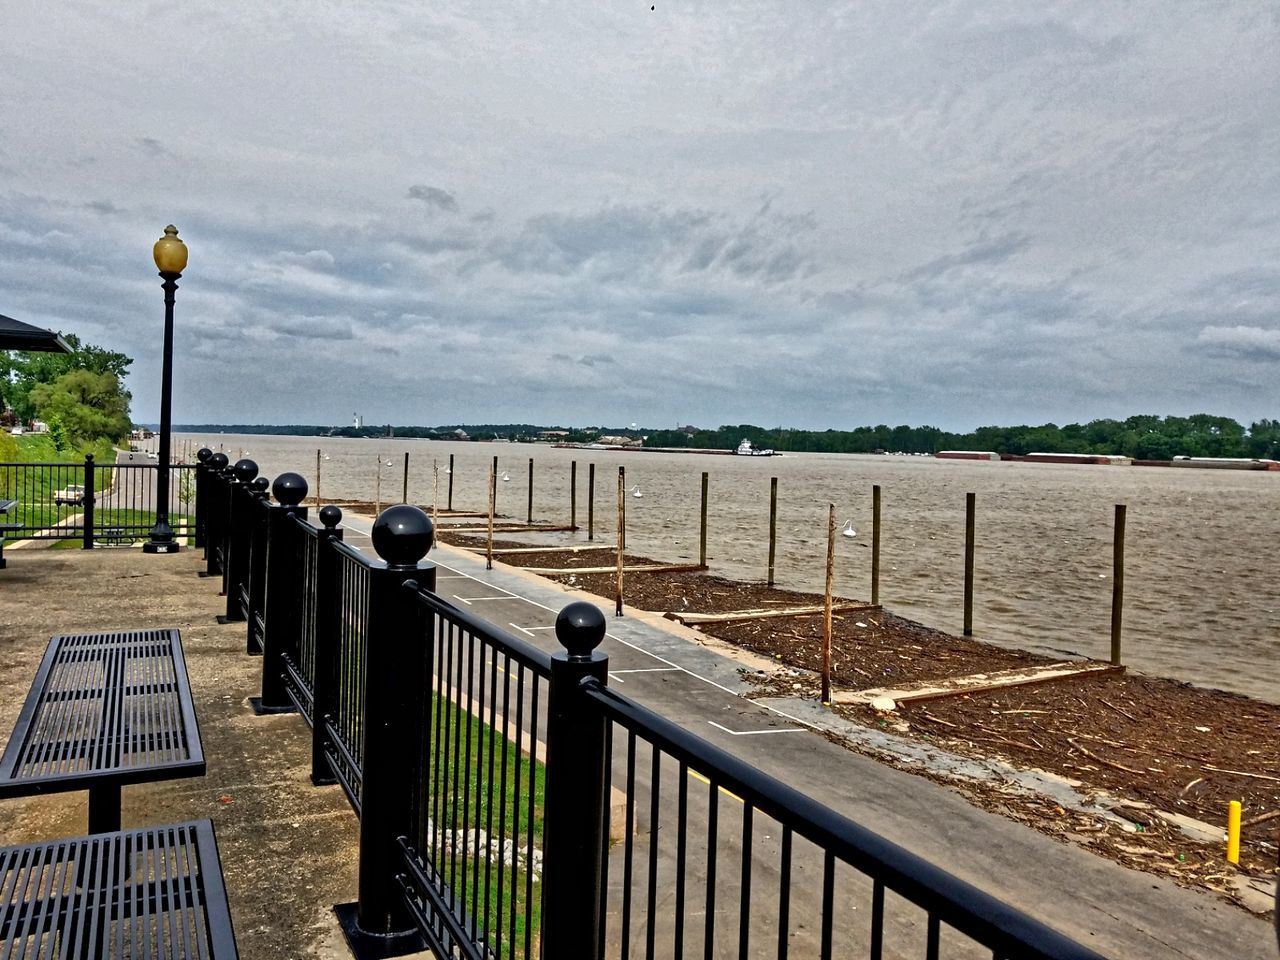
(796, 214)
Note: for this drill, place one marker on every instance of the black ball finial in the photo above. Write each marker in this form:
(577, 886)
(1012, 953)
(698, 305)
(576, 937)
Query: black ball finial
(203, 454)
(289, 489)
(218, 461)
(402, 535)
(245, 470)
(260, 485)
(580, 629)
(330, 516)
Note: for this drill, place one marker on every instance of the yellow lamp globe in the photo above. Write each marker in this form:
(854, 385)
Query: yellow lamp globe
(170, 253)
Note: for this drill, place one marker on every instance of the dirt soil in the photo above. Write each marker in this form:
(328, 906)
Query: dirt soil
(1144, 743)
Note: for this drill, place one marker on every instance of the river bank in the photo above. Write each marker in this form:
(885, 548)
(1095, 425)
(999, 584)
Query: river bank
(1150, 762)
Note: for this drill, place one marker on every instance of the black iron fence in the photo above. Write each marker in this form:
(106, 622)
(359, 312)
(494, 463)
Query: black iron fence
(98, 504)
(512, 805)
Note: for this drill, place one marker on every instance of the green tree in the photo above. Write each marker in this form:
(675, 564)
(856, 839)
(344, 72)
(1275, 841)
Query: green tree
(24, 370)
(88, 405)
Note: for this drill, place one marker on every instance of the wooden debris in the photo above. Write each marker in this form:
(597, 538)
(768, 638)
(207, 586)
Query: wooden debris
(638, 568)
(738, 615)
(1097, 759)
(1242, 773)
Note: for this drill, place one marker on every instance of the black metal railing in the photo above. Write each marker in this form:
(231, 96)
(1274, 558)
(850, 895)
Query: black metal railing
(512, 805)
(99, 504)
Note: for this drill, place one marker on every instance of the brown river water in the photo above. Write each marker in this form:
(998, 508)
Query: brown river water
(1202, 600)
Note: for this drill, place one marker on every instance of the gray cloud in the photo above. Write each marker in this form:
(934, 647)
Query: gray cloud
(434, 197)
(1014, 214)
(1249, 343)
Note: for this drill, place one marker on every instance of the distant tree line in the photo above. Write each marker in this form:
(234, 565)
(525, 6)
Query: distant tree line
(1144, 437)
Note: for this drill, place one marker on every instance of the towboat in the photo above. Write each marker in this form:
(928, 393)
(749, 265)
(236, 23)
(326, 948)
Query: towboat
(745, 449)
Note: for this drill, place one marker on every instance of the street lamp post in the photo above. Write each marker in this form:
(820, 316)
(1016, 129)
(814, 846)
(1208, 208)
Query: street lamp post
(171, 259)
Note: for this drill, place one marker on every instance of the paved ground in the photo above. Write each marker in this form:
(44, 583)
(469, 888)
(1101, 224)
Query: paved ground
(288, 847)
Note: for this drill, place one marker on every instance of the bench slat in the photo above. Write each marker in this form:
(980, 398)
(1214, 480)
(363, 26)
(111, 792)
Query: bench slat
(156, 892)
(105, 708)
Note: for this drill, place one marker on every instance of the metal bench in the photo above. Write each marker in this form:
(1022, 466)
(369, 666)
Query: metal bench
(151, 893)
(105, 709)
(5, 507)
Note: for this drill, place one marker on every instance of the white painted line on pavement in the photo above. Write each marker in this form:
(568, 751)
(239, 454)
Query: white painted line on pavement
(470, 600)
(520, 628)
(614, 673)
(639, 649)
(753, 733)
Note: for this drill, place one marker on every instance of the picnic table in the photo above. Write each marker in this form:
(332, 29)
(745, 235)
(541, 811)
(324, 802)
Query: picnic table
(105, 709)
(151, 893)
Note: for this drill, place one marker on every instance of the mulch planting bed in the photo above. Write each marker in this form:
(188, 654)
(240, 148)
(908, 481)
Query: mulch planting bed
(1150, 741)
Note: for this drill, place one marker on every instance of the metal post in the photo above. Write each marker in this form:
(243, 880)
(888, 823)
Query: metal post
(449, 506)
(575, 826)
(530, 521)
(573, 495)
(203, 456)
(235, 565)
(969, 510)
(773, 524)
(1117, 583)
(702, 542)
(215, 515)
(327, 617)
(495, 484)
(398, 655)
(162, 540)
(89, 495)
(317, 476)
(875, 543)
(405, 495)
(281, 602)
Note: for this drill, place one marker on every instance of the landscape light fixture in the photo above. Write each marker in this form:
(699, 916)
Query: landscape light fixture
(170, 255)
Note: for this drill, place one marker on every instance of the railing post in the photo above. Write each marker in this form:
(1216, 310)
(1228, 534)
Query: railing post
(217, 485)
(203, 456)
(235, 562)
(576, 827)
(255, 573)
(397, 690)
(89, 493)
(326, 615)
(281, 601)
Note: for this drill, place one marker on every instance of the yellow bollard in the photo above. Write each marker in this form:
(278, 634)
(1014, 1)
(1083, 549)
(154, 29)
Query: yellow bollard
(1233, 831)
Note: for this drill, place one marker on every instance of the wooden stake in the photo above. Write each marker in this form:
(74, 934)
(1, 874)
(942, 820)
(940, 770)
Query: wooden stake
(493, 505)
(449, 506)
(591, 501)
(969, 510)
(530, 490)
(405, 490)
(702, 542)
(773, 524)
(826, 612)
(1117, 583)
(875, 543)
(573, 494)
(622, 531)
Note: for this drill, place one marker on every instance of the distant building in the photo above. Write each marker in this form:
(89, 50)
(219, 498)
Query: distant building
(552, 434)
(460, 434)
(357, 421)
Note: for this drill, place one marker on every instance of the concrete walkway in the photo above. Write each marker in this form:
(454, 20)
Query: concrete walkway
(288, 848)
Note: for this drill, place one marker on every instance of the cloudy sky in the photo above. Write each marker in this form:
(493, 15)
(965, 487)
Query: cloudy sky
(793, 213)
